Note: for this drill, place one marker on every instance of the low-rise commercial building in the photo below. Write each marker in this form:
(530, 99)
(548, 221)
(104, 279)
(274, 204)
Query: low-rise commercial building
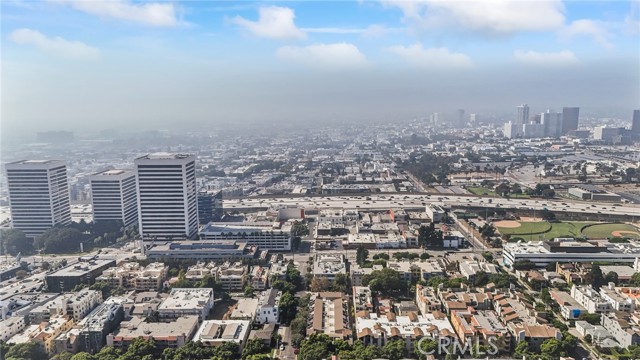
(67, 278)
(266, 235)
(225, 250)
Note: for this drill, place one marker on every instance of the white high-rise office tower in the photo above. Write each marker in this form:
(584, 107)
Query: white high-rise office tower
(113, 195)
(167, 197)
(38, 195)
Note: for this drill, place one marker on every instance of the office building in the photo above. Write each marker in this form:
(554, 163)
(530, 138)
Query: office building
(607, 134)
(69, 277)
(460, 118)
(635, 124)
(201, 250)
(552, 122)
(113, 196)
(209, 206)
(167, 197)
(38, 195)
(570, 117)
(522, 114)
(265, 235)
(542, 253)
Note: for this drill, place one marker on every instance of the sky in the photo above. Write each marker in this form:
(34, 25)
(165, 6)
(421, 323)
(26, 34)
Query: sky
(90, 65)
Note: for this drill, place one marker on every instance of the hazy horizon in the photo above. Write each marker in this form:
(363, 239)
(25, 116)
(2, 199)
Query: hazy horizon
(88, 66)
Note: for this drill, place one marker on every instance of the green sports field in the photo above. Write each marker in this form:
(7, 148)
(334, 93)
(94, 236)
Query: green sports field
(612, 230)
(545, 230)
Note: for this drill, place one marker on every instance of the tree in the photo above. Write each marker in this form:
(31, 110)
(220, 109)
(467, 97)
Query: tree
(361, 255)
(423, 347)
(588, 339)
(248, 291)
(315, 347)
(340, 283)
(82, 356)
(524, 265)
(60, 240)
(551, 348)
(299, 229)
(612, 277)
(14, 241)
(386, 282)
(319, 284)
(522, 349)
(425, 256)
(21, 274)
(287, 307)
(29, 350)
(595, 277)
(547, 215)
(254, 347)
(394, 350)
(593, 319)
(108, 353)
(63, 356)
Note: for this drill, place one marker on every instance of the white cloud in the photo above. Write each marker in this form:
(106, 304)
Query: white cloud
(586, 27)
(438, 58)
(54, 45)
(154, 14)
(273, 22)
(333, 56)
(492, 16)
(561, 58)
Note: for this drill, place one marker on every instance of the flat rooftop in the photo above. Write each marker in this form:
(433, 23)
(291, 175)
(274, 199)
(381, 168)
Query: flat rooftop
(164, 156)
(82, 268)
(180, 298)
(113, 172)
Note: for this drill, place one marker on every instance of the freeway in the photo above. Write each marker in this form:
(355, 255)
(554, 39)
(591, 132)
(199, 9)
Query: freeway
(420, 200)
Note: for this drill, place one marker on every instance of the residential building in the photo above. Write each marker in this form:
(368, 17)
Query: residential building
(479, 326)
(38, 195)
(73, 305)
(570, 309)
(470, 268)
(267, 310)
(167, 199)
(329, 265)
(184, 302)
(113, 196)
(362, 299)
(259, 277)
(590, 299)
(357, 273)
(427, 300)
(136, 277)
(329, 315)
(245, 309)
(232, 276)
(69, 277)
(534, 335)
(11, 326)
(172, 334)
(99, 323)
(376, 330)
(622, 328)
(619, 300)
(217, 332)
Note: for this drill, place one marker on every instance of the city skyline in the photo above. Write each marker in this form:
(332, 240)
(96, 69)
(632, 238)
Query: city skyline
(142, 65)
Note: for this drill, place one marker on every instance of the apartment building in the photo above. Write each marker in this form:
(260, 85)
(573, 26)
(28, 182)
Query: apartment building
(362, 299)
(260, 277)
(268, 311)
(479, 326)
(427, 300)
(184, 302)
(11, 326)
(534, 335)
(133, 276)
(172, 334)
(590, 299)
(570, 309)
(329, 265)
(232, 276)
(217, 332)
(617, 297)
(74, 305)
(330, 315)
(623, 327)
(376, 330)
